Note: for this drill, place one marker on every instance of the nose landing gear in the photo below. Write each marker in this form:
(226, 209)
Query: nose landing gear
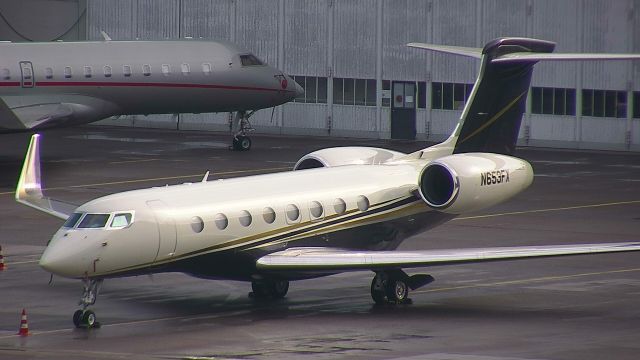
(241, 141)
(269, 288)
(85, 318)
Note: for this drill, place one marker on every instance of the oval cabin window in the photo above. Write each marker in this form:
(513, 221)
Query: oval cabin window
(197, 225)
(363, 203)
(269, 215)
(339, 206)
(293, 213)
(221, 221)
(245, 218)
(316, 210)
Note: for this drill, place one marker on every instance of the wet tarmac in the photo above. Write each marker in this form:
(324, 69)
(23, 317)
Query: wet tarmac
(564, 308)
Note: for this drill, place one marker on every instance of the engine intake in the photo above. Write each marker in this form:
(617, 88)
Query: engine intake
(462, 183)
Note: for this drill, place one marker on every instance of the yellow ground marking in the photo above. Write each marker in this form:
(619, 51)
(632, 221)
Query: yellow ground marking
(550, 209)
(234, 172)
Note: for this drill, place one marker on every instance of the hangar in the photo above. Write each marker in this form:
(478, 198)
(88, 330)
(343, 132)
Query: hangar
(360, 78)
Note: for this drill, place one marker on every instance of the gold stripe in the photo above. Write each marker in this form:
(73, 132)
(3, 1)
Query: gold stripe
(493, 119)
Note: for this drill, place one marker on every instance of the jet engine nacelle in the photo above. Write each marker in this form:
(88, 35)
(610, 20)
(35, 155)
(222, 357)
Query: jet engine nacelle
(348, 155)
(462, 183)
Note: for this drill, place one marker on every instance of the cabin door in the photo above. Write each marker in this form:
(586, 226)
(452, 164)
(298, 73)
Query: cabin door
(26, 71)
(167, 237)
(403, 110)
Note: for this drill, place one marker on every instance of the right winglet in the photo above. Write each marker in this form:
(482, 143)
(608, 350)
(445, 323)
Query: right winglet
(29, 189)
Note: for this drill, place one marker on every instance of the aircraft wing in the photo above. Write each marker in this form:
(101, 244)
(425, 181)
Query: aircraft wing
(37, 111)
(330, 260)
(29, 189)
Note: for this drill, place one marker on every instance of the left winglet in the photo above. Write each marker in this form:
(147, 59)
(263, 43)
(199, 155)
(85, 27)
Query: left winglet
(29, 188)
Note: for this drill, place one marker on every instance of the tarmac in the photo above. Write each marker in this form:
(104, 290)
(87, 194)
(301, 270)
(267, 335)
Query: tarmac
(583, 307)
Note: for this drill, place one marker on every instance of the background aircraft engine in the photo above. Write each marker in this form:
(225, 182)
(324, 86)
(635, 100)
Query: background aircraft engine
(348, 155)
(462, 183)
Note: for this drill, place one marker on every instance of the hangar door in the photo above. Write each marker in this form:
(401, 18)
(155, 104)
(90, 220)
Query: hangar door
(403, 110)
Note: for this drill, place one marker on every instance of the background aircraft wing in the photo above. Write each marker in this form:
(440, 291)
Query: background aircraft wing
(29, 189)
(329, 260)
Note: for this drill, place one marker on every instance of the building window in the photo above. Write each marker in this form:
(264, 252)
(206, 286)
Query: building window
(604, 103)
(67, 72)
(315, 89)
(107, 71)
(48, 73)
(449, 96)
(354, 91)
(422, 95)
(126, 70)
(553, 101)
(88, 71)
(636, 104)
(146, 70)
(386, 93)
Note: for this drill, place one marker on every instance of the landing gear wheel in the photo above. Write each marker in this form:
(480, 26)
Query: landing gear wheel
(397, 291)
(278, 288)
(77, 318)
(89, 319)
(378, 289)
(242, 143)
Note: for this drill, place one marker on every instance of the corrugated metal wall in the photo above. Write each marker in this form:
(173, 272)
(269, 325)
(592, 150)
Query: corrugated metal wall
(340, 38)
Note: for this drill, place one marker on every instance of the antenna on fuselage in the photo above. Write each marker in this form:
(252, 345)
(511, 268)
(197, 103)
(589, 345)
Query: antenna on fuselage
(205, 177)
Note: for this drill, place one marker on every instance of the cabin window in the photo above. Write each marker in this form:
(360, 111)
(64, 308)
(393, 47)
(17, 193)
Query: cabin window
(87, 71)
(245, 218)
(121, 220)
(206, 68)
(48, 73)
(126, 70)
(339, 206)
(250, 60)
(146, 70)
(107, 71)
(166, 69)
(316, 210)
(269, 215)
(93, 221)
(197, 225)
(6, 75)
(185, 69)
(293, 213)
(68, 72)
(221, 221)
(363, 203)
(72, 220)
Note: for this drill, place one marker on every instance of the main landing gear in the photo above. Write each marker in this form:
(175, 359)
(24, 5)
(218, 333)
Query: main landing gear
(392, 286)
(269, 289)
(241, 141)
(85, 318)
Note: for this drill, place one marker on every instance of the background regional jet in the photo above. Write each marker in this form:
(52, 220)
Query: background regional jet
(44, 85)
(342, 209)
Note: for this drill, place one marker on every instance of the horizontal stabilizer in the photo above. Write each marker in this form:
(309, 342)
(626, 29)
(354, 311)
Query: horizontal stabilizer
(328, 260)
(29, 189)
(456, 50)
(514, 57)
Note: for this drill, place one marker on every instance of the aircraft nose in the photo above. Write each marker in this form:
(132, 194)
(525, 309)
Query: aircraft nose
(53, 260)
(63, 259)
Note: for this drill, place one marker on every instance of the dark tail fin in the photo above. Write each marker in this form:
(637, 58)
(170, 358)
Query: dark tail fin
(491, 118)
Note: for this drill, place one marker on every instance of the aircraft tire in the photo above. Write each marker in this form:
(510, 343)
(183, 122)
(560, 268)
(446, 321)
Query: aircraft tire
(89, 319)
(259, 289)
(377, 290)
(397, 291)
(77, 318)
(244, 143)
(278, 288)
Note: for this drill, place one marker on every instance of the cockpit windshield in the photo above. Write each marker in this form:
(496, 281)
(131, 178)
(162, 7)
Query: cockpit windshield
(250, 60)
(121, 220)
(93, 221)
(72, 220)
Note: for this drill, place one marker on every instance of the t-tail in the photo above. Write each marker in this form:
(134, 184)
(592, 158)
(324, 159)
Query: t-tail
(491, 118)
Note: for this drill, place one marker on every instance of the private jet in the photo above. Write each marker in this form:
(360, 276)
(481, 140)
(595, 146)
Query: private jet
(52, 84)
(340, 209)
